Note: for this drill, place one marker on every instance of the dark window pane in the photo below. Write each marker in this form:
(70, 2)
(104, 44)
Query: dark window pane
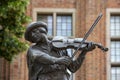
(63, 33)
(59, 19)
(69, 26)
(64, 24)
(115, 25)
(115, 46)
(48, 18)
(59, 28)
(115, 51)
(69, 19)
(112, 19)
(64, 18)
(115, 73)
(69, 32)
(69, 52)
(117, 19)
(59, 33)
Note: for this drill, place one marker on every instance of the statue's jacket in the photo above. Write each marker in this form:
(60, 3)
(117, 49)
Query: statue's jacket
(41, 68)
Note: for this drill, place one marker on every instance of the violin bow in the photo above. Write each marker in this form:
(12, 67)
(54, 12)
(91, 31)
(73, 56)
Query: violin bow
(87, 34)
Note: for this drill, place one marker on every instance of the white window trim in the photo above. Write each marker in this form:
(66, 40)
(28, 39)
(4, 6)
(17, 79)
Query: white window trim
(109, 11)
(55, 11)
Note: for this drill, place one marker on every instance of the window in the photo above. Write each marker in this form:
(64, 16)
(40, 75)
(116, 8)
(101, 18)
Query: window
(115, 51)
(63, 24)
(115, 46)
(115, 72)
(115, 26)
(47, 18)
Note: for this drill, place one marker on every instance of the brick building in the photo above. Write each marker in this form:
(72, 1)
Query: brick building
(79, 16)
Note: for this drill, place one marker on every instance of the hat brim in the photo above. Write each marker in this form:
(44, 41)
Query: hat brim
(33, 26)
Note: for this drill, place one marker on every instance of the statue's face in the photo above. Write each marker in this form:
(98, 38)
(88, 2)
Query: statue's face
(39, 34)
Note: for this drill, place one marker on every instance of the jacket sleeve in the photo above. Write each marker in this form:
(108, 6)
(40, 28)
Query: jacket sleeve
(76, 64)
(40, 57)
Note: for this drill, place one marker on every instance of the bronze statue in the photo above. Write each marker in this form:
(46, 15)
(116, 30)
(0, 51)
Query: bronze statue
(44, 61)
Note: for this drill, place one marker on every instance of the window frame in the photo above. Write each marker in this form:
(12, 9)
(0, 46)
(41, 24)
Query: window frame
(109, 38)
(55, 11)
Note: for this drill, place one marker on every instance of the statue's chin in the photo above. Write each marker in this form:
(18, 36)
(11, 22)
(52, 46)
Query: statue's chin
(40, 41)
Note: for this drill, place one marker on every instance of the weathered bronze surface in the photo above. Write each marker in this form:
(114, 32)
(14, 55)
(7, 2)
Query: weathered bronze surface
(44, 61)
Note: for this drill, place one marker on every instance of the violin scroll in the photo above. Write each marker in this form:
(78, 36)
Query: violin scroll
(101, 47)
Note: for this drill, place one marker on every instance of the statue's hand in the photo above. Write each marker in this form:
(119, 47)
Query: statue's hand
(65, 60)
(90, 46)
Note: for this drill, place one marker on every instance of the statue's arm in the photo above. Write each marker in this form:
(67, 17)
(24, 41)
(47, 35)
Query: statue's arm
(41, 57)
(44, 58)
(76, 64)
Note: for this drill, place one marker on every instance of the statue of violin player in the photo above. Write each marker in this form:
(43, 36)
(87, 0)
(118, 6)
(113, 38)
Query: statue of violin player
(45, 60)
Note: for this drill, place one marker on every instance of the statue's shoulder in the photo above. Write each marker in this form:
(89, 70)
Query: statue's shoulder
(34, 49)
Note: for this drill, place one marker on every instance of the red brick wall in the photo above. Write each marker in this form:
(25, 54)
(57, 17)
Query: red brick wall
(113, 4)
(16, 70)
(51, 4)
(54, 3)
(94, 66)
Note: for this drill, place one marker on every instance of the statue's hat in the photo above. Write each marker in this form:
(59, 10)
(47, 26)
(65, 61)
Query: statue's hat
(32, 26)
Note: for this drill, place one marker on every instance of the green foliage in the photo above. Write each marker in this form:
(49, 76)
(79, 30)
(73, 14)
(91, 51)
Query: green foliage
(12, 20)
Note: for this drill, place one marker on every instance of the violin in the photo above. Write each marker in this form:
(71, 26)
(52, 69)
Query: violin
(60, 42)
(65, 43)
